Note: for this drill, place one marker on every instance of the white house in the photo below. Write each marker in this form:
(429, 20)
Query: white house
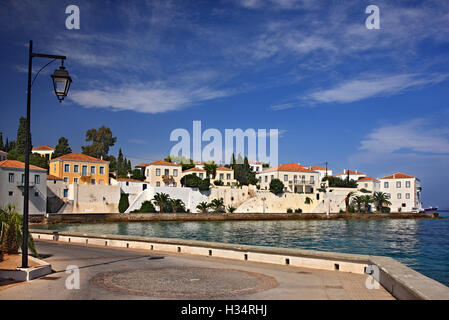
(130, 186)
(322, 171)
(197, 171)
(353, 175)
(256, 166)
(369, 184)
(3, 155)
(44, 151)
(404, 191)
(12, 182)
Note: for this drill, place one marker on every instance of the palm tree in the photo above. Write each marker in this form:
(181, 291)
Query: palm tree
(308, 200)
(347, 199)
(358, 201)
(161, 200)
(177, 204)
(203, 206)
(11, 235)
(231, 209)
(367, 199)
(217, 204)
(381, 198)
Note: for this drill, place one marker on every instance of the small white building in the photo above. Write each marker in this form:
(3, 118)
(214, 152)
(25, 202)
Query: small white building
(3, 155)
(12, 182)
(369, 184)
(322, 171)
(44, 151)
(255, 166)
(353, 175)
(404, 191)
(130, 186)
(199, 172)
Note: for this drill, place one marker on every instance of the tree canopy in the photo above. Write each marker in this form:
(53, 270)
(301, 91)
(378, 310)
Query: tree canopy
(62, 148)
(101, 140)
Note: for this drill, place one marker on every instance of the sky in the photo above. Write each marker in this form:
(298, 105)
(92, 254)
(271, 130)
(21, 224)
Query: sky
(373, 100)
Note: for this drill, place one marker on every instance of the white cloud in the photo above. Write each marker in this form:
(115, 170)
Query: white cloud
(283, 106)
(359, 89)
(416, 136)
(144, 98)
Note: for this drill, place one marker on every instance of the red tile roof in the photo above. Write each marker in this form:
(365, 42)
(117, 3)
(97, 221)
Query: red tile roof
(43, 148)
(398, 175)
(350, 172)
(318, 168)
(367, 179)
(51, 177)
(254, 162)
(18, 164)
(158, 163)
(194, 169)
(78, 157)
(223, 169)
(289, 167)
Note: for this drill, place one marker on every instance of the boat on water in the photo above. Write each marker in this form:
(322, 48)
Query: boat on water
(431, 210)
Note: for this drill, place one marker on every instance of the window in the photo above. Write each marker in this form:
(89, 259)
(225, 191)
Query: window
(272, 177)
(166, 172)
(101, 170)
(23, 178)
(67, 168)
(54, 168)
(228, 176)
(158, 184)
(407, 184)
(37, 179)
(221, 176)
(407, 196)
(66, 193)
(76, 168)
(66, 179)
(295, 178)
(11, 177)
(366, 185)
(312, 179)
(92, 181)
(10, 193)
(127, 183)
(386, 185)
(398, 184)
(201, 175)
(266, 178)
(75, 180)
(158, 172)
(84, 171)
(285, 177)
(399, 196)
(92, 170)
(175, 172)
(36, 194)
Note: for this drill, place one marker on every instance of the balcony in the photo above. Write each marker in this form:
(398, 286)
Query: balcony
(301, 182)
(21, 184)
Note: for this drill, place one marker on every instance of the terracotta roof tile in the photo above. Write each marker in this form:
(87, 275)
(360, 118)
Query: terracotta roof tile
(194, 169)
(43, 148)
(289, 167)
(350, 172)
(223, 169)
(367, 179)
(398, 175)
(78, 157)
(18, 164)
(51, 177)
(130, 180)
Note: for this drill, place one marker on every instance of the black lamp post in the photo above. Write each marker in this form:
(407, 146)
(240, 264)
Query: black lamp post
(61, 83)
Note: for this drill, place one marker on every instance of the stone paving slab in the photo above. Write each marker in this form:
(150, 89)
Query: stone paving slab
(239, 280)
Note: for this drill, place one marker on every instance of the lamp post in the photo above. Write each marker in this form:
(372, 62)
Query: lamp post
(61, 84)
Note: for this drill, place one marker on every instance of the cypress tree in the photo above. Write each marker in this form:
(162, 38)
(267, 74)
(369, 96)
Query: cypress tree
(2, 147)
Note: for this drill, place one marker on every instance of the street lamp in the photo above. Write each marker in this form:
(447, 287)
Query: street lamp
(61, 83)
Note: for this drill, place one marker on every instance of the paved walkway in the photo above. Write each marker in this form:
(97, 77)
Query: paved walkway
(111, 273)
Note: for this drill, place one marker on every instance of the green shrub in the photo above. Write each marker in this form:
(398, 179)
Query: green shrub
(289, 210)
(147, 207)
(219, 183)
(386, 210)
(276, 186)
(299, 210)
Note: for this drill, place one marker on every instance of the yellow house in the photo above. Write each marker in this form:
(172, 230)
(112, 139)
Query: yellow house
(44, 151)
(80, 168)
(225, 175)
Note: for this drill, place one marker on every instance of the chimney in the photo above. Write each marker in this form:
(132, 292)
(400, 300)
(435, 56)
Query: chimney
(101, 157)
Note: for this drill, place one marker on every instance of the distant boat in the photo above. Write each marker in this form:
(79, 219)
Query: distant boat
(431, 210)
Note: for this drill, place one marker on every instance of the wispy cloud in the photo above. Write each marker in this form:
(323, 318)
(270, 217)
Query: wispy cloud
(148, 98)
(359, 89)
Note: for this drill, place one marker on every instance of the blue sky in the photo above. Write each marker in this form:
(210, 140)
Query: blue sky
(372, 100)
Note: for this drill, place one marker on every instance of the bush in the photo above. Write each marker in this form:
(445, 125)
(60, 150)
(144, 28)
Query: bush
(276, 186)
(299, 210)
(193, 181)
(386, 210)
(289, 210)
(340, 183)
(147, 207)
(124, 203)
(219, 183)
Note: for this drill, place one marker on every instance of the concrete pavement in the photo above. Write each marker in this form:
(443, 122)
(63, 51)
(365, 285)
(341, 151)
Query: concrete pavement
(112, 273)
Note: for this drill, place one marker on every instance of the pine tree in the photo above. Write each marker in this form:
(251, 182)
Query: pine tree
(62, 148)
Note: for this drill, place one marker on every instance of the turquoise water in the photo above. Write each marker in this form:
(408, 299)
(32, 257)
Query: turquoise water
(422, 244)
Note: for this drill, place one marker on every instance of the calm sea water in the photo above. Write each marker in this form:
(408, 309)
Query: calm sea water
(422, 244)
